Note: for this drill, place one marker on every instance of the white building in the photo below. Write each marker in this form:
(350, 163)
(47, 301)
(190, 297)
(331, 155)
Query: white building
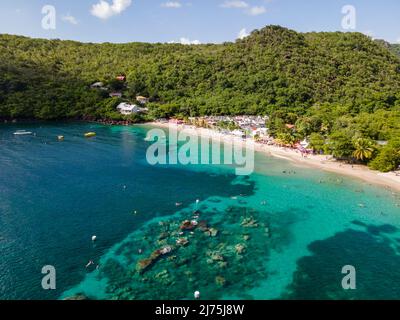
(261, 132)
(142, 100)
(127, 109)
(116, 94)
(305, 144)
(97, 85)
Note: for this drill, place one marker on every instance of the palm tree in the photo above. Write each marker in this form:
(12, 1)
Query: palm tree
(365, 149)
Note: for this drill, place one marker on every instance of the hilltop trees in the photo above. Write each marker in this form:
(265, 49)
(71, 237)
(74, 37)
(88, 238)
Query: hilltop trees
(388, 158)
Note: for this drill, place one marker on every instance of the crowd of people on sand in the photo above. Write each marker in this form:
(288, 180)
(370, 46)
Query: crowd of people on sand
(116, 122)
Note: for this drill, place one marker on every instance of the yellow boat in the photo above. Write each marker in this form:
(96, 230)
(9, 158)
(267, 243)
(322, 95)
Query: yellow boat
(90, 134)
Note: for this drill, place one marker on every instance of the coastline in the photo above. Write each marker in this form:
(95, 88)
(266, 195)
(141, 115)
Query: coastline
(326, 163)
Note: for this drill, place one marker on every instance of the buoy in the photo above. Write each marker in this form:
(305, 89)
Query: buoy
(94, 238)
(197, 295)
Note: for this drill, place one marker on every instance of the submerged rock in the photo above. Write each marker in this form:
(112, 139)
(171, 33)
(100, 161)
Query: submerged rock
(144, 264)
(240, 248)
(182, 242)
(163, 235)
(249, 223)
(162, 275)
(220, 281)
(213, 232)
(203, 226)
(215, 256)
(188, 225)
(166, 250)
(79, 297)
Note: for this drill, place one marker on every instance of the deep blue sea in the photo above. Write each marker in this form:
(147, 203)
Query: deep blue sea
(284, 232)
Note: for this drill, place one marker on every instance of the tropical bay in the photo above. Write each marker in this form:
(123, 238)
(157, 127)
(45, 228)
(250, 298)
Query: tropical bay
(209, 151)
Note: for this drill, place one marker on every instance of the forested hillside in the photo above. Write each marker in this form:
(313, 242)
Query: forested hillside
(336, 86)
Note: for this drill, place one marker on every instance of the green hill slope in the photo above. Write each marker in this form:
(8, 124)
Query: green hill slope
(273, 68)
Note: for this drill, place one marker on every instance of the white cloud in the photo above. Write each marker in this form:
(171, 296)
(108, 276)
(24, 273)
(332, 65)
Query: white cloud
(398, 40)
(243, 34)
(255, 11)
(237, 4)
(186, 41)
(70, 19)
(171, 4)
(105, 10)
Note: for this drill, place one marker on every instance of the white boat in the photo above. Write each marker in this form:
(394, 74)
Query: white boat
(22, 133)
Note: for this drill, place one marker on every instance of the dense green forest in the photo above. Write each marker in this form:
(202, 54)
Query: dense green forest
(342, 90)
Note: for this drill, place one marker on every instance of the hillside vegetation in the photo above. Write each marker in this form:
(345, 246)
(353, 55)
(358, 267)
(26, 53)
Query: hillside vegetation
(340, 89)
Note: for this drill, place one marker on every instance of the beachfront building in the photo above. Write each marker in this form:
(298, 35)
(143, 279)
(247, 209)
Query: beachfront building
(244, 122)
(127, 109)
(304, 144)
(98, 85)
(176, 121)
(239, 133)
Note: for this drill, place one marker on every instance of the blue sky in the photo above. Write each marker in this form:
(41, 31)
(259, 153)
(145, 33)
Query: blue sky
(189, 21)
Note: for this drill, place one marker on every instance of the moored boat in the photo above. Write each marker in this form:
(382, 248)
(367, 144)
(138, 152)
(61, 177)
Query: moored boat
(22, 133)
(90, 134)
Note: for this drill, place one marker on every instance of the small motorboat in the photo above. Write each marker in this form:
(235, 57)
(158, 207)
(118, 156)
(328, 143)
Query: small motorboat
(90, 134)
(22, 133)
(60, 138)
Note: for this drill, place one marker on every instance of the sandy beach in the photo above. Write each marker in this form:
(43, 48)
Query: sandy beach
(323, 162)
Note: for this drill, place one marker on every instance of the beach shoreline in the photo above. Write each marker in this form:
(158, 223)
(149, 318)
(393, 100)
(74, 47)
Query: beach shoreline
(326, 163)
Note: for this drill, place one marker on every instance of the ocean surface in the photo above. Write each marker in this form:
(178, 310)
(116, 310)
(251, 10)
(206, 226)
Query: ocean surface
(284, 232)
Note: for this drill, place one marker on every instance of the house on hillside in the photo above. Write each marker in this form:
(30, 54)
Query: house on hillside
(97, 85)
(142, 100)
(127, 109)
(116, 95)
(291, 126)
(121, 77)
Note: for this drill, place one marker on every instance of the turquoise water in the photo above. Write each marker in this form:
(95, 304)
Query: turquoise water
(285, 232)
